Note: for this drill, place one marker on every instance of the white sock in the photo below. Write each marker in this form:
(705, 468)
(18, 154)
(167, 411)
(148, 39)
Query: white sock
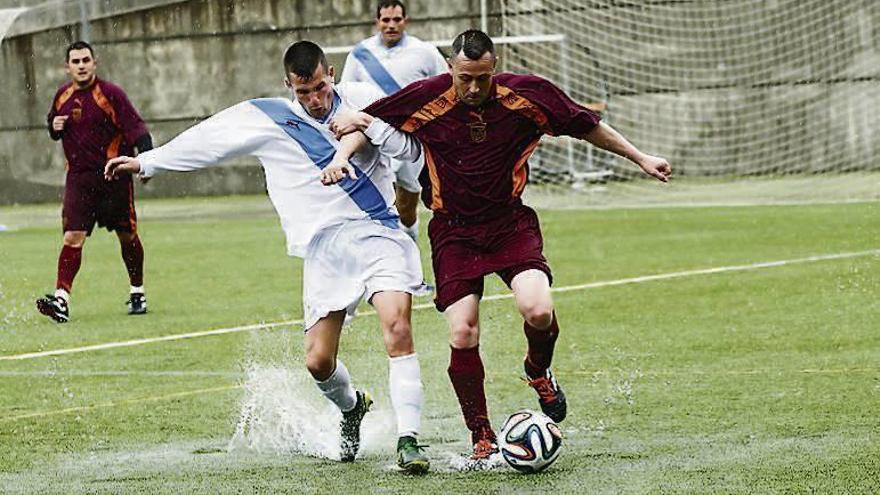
(63, 294)
(136, 290)
(338, 388)
(412, 231)
(407, 396)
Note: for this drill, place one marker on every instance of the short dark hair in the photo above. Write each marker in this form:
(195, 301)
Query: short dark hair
(384, 4)
(302, 59)
(473, 43)
(78, 45)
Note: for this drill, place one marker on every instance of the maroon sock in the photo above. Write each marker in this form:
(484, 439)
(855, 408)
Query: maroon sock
(541, 345)
(467, 376)
(68, 265)
(133, 256)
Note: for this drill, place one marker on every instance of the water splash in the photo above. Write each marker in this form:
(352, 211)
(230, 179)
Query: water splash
(13, 312)
(283, 412)
(458, 462)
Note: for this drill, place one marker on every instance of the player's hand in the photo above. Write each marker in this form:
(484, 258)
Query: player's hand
(656, 167)
(121, 165)
(58, 122)
(336, 171)
(348, 122)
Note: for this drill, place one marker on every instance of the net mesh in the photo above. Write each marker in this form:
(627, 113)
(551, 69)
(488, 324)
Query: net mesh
(726, 90)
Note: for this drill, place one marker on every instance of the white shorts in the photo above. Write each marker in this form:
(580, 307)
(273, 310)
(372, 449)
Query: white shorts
(352, 261)
(406, 175)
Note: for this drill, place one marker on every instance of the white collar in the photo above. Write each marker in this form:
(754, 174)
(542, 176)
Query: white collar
(334, 106)
(400, 44)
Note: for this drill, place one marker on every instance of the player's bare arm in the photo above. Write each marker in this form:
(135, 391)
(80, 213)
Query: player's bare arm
(349, 122)
(121, 165)
(340, 167)
(605, 137)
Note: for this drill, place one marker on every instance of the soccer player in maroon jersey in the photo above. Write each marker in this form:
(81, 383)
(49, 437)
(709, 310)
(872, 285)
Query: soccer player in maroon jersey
(95, 122)
(477, 130)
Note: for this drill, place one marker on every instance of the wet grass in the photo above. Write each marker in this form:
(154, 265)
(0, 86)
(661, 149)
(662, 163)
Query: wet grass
(752, 381)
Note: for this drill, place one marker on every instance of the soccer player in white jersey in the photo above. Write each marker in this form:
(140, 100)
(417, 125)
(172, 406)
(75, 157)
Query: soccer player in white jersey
(391, 60)
(348, 234)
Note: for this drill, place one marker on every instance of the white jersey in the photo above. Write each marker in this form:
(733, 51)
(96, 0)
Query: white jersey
(390, 69)
(293, 147)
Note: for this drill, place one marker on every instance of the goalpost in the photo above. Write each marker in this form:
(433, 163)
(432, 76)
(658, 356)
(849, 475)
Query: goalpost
(726, 90)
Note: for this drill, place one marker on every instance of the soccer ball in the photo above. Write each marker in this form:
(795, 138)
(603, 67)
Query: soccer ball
(529, 441)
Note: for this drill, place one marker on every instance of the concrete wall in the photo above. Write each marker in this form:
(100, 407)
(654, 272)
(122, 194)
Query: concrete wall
(179, 62)
(788, 92)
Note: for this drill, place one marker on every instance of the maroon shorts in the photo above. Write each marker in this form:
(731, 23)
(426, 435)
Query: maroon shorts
(463, 253)
(89, 199)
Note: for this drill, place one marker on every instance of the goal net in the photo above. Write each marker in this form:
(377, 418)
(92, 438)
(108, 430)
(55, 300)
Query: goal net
(782, 96)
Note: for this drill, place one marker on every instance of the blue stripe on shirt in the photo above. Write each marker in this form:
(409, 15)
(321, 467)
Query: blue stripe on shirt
(320, 150)
(375, 68)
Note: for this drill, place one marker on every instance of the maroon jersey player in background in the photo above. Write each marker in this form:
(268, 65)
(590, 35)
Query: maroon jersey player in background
(477, 130)
(95, 122)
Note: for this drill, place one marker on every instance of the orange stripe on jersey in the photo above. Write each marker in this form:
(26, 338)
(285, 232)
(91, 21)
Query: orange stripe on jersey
(520, 174)
(113, 147)
(523, 106)
(63, 97)
(431, 110)
(436, 199)
(104, 104)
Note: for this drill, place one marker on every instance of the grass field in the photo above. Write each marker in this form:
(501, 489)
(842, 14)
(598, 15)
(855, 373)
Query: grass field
(747, 379)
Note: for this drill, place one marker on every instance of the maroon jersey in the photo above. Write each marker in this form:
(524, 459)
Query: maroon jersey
(101, 124)
(476, 158)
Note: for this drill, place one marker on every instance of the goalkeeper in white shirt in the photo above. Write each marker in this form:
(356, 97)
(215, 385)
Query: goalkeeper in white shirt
(389, 61)
(348, 234)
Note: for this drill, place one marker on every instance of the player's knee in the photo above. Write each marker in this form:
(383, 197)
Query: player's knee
(320, 365)
(398, 337)
(74, 239)
(464, 334)
(538, 314)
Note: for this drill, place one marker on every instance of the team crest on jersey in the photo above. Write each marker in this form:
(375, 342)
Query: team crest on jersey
(77, 112)
(478, 131)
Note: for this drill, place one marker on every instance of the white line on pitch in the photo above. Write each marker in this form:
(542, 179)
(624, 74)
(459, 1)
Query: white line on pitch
(88, 373)
(592, 285)
(150, 340)
(123, 402)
